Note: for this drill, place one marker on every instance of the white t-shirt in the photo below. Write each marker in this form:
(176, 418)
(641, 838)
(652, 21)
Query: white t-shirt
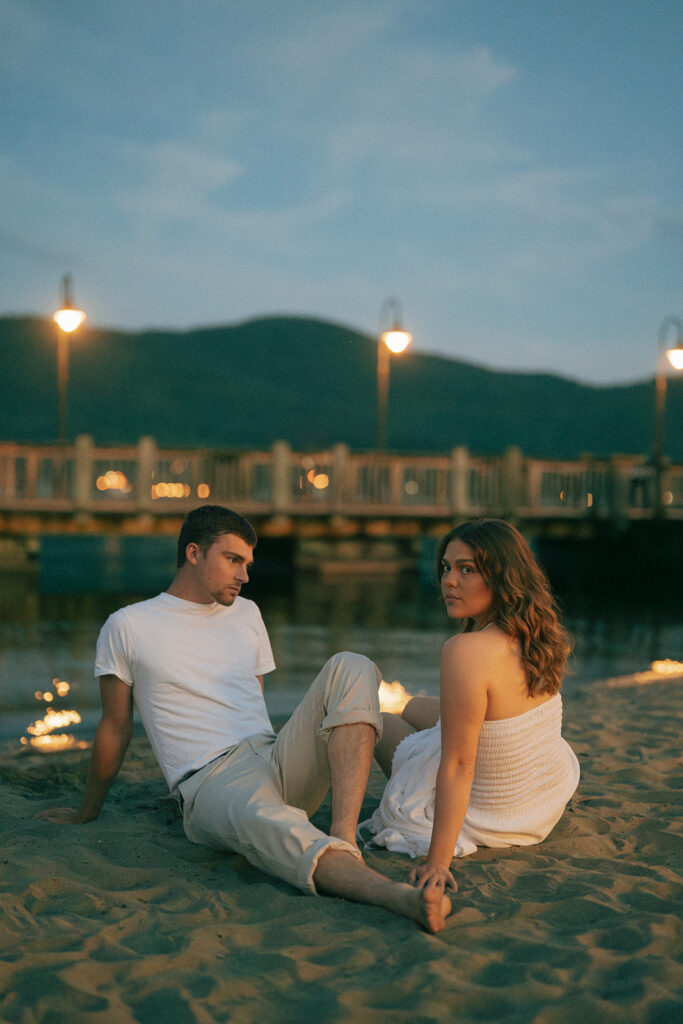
(193, 670)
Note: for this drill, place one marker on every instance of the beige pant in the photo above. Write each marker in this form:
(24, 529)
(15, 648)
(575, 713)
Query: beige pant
(256, 798)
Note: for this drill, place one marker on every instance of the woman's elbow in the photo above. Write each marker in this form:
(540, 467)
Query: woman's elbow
(460, 767)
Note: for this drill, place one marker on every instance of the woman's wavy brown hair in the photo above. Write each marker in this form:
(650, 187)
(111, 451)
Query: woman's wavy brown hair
(523, 606)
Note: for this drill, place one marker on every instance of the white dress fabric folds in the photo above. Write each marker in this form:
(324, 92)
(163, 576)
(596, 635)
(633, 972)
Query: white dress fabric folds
(524, 775)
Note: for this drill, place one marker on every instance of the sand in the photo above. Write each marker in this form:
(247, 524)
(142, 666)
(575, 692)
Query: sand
(124, 920)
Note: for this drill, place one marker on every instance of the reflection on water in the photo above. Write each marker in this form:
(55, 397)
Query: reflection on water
(400, 624)
(658, 671)
(45, 734)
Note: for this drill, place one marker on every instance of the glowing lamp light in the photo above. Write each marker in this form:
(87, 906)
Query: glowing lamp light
(171, 490)
(397, 341)
(69, 319)
(113, 480)
(675, 356)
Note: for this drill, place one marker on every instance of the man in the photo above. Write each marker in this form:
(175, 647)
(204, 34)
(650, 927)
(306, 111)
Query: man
(193, 660)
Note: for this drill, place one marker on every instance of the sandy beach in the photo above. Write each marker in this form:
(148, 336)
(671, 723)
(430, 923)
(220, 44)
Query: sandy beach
(123, 920)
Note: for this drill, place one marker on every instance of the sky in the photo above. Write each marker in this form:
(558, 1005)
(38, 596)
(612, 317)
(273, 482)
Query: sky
(509, 171)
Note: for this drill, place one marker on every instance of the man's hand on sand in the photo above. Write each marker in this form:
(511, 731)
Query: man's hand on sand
(59, 815)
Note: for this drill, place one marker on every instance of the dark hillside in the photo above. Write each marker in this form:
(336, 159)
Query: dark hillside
(310, 383)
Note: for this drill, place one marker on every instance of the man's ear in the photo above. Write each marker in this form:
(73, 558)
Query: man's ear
(192, 552)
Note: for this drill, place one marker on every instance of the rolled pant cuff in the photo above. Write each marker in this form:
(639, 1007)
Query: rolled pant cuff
(310, 858)
(359, 716)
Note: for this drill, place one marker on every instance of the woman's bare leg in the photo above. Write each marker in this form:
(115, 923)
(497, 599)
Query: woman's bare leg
(422, 712)
(394, 730)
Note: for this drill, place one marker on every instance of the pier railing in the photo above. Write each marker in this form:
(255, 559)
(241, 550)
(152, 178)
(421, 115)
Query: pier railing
(144, 479)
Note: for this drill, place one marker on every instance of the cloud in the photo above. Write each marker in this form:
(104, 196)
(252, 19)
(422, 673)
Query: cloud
(214, 160)
(359, 91)
(179, 180)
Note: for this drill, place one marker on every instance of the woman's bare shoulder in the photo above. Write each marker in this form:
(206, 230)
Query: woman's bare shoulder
(492, 638)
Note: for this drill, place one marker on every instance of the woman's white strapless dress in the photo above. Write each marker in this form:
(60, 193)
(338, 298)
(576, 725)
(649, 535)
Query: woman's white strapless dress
(524, 776)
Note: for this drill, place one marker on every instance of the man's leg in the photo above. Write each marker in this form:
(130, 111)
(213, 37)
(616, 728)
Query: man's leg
(349, 753)
(339, 874)
(235, 803)
(227, 808)
(329, 741)
(316, 742)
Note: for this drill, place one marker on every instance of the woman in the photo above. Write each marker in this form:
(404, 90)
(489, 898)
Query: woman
(495, 770)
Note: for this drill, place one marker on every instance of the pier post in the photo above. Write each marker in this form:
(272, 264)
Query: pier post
(512, 481)
(83, 482)
(340, 487)
(281, 489)
(147, 457)
(396, 482)
(460, 465)
(620, 473)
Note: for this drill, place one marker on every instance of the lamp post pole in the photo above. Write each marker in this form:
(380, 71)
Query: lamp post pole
(68, 319)
(382, 393)
(62, 383)
(674, 355)
(393, 340)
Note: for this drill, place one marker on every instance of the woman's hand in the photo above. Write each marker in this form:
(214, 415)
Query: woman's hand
(431, 875)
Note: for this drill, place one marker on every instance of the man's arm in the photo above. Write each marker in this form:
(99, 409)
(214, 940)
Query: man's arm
(108, 751)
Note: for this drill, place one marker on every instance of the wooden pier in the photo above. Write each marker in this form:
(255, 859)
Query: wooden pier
(143, 489)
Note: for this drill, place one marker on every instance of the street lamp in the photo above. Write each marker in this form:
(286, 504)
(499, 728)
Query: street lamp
(68, 319)
(674, 354)
(394, 340)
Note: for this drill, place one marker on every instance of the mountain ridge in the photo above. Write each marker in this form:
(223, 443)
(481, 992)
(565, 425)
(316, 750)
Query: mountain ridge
(311, 383)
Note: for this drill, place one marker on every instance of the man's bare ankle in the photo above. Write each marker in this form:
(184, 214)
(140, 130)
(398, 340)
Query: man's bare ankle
(345, 832)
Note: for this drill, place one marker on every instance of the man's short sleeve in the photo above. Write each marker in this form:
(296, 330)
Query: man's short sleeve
(114, 654)
(264, 659)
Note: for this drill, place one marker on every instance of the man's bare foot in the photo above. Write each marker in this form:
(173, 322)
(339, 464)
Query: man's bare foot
(428, 907)
(339, 873)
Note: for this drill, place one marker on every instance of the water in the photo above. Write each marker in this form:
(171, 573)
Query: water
(400, 624)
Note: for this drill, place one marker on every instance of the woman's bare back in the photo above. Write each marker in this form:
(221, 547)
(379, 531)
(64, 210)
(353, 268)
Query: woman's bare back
(503, 675)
